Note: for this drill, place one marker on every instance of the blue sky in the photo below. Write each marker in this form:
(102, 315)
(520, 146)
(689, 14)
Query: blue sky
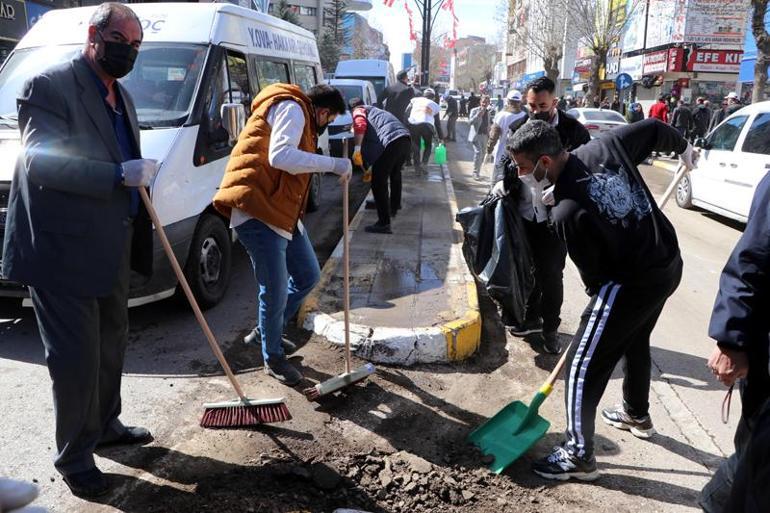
(476, 18)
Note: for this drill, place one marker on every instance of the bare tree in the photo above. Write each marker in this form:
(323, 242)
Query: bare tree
(763, 49)
(543, 31)
(599, 25)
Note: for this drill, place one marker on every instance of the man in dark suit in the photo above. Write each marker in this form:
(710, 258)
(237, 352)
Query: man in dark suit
(396, 98)
(74, 230)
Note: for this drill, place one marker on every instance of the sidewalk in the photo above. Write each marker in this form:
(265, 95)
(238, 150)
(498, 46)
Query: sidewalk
(412, 298)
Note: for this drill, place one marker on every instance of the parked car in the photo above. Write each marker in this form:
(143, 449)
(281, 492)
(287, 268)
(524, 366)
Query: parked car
(734, 157)
(340, 129)
(196, 62)
(598, 121)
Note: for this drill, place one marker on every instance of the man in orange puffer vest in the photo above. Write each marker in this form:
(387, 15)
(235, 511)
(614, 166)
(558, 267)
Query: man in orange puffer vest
(264, 193)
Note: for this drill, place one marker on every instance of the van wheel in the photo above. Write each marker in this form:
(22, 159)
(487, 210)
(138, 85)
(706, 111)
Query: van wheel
(209, 263)
(684, 192)
(314, 194)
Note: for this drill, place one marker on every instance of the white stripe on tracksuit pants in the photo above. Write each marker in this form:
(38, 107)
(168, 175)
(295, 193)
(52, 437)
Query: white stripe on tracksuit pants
(616, 323)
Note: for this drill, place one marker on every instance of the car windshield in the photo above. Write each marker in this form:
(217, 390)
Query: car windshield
(377, 82)
(350, 91)
(603, 115)
(162, 83)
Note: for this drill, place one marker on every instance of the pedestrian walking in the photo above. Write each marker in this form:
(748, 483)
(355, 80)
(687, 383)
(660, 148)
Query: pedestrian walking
(659, 110)
(730, 105)
(75, 229)
(479, 122)
(498, 134)
(548, 251)
(423, 118)
(635, 113)
(382, 142)
(682, 119)
(701, 116)
(616, 106)
(463, 106)
(395, 98)
(473, 102)
(451, 115)
(264, 193)
(740, 326)
(499, 105)
(628, 257)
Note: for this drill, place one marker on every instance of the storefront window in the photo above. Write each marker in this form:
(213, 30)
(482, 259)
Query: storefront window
(713, 91)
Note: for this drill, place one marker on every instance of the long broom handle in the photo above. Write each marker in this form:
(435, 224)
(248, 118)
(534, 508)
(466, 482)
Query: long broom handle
(188, 292)
(680, 171)
(346, 273)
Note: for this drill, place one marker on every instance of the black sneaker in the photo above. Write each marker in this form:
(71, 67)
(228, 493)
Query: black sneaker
(254, 338)
(528, 328)
(562, 466)
(378, 228)
(640, 427)
(284, 372)
(551, 342)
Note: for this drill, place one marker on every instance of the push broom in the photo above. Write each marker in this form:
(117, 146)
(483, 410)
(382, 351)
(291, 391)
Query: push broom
(350, 376)
(241, 412)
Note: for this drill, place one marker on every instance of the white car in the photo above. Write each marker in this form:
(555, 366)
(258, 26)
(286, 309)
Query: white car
(734, 157)
(598, 121)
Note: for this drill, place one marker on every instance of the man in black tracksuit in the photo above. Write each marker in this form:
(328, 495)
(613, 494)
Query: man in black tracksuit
(741, 327)
(548, 252)
(628, 257)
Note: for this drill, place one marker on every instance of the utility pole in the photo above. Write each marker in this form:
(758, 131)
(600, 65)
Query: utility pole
(429, 11)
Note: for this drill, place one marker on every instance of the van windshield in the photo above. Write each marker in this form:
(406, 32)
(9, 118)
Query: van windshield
(350, 91)
(162, 83)
(377, 82)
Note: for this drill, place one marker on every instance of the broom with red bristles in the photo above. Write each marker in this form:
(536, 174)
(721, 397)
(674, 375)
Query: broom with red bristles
(241, 412)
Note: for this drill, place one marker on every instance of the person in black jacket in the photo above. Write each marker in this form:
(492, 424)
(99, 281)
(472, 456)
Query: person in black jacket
(628, 257)
(681, 119)
(741, 327)
(451, 116)
(395, 98)
(701, 116)
(549, 253)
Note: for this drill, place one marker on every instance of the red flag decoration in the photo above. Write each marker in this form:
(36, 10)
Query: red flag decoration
(449, 5)
(412, 34)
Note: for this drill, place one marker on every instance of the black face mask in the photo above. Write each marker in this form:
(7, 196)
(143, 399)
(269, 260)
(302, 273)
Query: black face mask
(320, 129)
(542, 116)
(118, 59)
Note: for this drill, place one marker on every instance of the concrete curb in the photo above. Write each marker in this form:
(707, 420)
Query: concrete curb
(668, 166)
(451, 341)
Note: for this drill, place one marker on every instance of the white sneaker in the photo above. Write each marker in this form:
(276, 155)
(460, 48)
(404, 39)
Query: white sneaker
(15, 494)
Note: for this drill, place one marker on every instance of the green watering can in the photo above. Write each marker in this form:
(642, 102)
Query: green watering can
(439, 156)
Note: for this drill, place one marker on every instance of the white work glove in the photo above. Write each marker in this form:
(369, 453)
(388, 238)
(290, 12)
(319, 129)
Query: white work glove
(17, 494)
(343, 168)
(689, 158)
(498, 190)
(139, 172)
(548, 198)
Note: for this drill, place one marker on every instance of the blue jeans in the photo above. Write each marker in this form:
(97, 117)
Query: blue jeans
(286, 271)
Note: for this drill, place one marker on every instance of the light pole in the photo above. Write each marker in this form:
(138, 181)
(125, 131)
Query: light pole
(429, 11)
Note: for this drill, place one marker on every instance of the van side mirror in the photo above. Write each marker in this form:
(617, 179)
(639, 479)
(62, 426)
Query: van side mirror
(701, 142)
(233, 120)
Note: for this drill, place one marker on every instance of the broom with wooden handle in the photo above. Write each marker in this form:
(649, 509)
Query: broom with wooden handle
(350, 376)
(241, 412)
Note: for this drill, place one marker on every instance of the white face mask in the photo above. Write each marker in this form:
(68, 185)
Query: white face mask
(533, 183)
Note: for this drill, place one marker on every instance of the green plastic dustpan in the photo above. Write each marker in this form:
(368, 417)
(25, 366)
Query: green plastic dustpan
(515, 428)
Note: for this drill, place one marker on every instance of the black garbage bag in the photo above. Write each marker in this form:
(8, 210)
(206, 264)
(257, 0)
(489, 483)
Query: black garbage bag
(498, 256)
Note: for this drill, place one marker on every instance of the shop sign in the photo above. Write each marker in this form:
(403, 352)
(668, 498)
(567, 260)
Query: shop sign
(720, 61)
(675, 59)
(582, 72)
(13, 20)
(612, 69)
(715, 21)
(656, 62)
(634, 66)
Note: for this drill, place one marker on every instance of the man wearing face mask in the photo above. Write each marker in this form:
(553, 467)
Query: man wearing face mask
(548, 252)
(76, 228)
(628, 257)
(264, 192)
